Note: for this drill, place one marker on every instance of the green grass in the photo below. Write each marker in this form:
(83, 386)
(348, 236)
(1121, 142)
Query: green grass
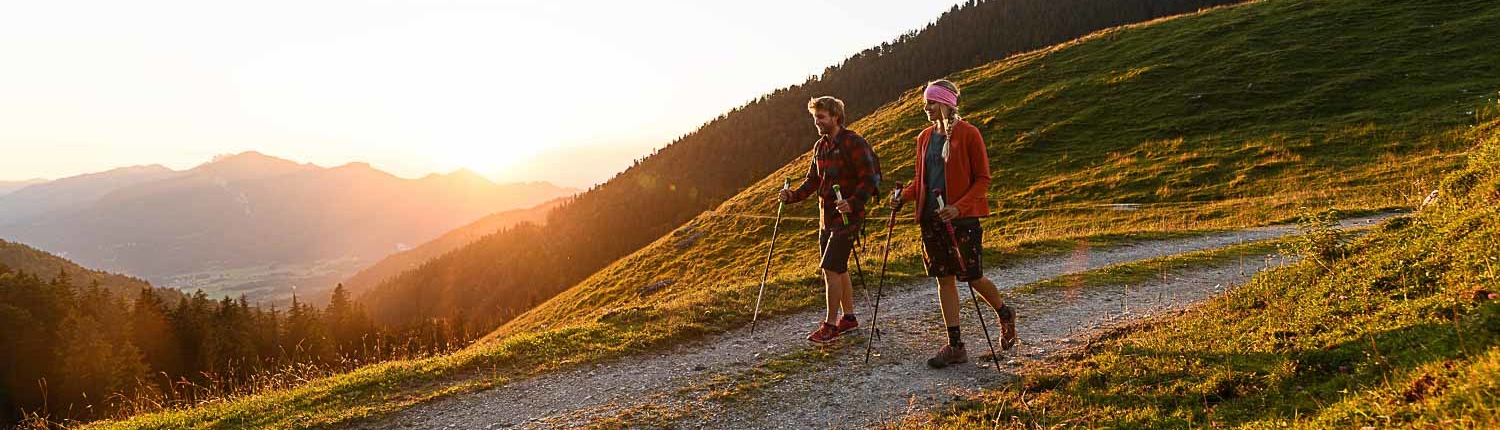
(1157, 268)
(1137, 272)
(1225, 119)
(1398, 329)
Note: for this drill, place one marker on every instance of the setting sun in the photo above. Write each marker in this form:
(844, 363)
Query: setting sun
(409, 87)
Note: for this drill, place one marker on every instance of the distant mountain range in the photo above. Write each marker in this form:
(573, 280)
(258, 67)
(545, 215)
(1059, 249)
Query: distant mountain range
(249, 222)
(73, 193)
(458, 238)
(7, 187)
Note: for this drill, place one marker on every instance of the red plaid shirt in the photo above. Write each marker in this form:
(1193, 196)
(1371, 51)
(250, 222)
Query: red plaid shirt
(847, 161)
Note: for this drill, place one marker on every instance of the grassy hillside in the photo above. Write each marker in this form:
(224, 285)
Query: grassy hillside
(1398, 329)
(1227, 118)
(1230, 118)
(483, 285)
(24, 258)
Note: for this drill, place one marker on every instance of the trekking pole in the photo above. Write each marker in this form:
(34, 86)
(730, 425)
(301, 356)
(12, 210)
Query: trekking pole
(890, 226)
(840, 196)
(786, 184)
(962, 268)
(859, 269)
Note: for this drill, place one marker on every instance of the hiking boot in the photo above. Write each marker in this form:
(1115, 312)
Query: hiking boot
(825, 333)
(948, 355)
(847, 323)
(1007, 326)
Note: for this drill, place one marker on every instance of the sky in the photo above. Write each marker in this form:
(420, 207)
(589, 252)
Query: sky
(568, 92)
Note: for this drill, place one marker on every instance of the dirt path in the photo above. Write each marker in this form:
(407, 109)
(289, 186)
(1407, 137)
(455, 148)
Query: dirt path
(845, 392)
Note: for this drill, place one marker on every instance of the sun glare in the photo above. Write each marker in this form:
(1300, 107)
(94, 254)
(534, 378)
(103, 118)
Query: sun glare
(488, 159)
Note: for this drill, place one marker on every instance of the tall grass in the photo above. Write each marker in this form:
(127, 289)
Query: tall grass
(1400, 328)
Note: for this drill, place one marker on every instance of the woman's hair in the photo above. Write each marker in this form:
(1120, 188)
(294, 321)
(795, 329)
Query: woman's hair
(947, 121)
(828, 104)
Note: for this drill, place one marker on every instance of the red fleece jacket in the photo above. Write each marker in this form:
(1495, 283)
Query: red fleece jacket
(967, 173)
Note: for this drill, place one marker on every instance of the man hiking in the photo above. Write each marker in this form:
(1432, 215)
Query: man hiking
(953, 170)
(845, 175)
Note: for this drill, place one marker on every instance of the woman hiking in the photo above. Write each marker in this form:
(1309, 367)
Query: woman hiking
(953, 168)
(845, 175)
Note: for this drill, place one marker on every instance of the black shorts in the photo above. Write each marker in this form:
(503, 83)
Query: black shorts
(836, 245)
(937, 248)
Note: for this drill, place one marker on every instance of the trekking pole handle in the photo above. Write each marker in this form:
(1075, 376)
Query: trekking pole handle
(840, 196)
(786, 185)
(895, 197)
(952, 235)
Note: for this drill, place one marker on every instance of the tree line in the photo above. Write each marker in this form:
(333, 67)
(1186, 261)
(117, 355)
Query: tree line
(78, 353)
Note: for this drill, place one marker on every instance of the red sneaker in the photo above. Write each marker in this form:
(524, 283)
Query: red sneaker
(825, 333)
(847, 323)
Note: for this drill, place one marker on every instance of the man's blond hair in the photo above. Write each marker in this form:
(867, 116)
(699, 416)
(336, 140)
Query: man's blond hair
(828, 104)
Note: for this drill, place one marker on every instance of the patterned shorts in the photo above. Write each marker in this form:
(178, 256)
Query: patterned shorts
(937, 248)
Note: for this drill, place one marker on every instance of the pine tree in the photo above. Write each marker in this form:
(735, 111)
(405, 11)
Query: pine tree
(304, 336)
(93, 365)
(152, 332)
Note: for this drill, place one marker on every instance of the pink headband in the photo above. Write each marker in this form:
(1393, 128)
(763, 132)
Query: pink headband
(941, 95)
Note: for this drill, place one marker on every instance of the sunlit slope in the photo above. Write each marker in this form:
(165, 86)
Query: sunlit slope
(1227, 118)
(1397, 329)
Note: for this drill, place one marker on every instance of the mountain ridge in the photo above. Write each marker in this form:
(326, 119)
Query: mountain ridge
(237, 218)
